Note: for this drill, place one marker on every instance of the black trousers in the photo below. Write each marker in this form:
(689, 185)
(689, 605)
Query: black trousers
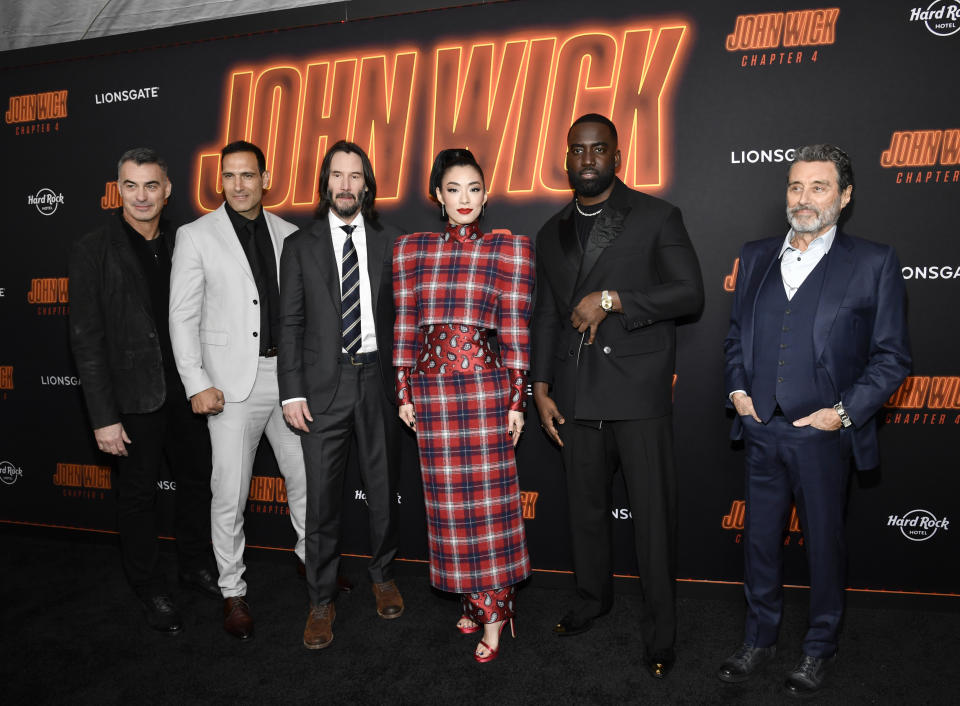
(173, 433)
(359, 411)
(643, 448)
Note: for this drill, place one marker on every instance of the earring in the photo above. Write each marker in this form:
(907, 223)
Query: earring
(443, 211)
(483, 210)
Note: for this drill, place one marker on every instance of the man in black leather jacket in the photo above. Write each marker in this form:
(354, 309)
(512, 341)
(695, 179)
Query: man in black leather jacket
(120, 281)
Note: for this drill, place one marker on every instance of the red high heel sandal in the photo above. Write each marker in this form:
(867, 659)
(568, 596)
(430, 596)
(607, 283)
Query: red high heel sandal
(470, 629)
(492, 653)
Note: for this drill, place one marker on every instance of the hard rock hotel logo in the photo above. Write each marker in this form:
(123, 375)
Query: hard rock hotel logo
(79, 480)
(267, 496)
(509, 99)
(925, 400)
(36, 113)
(924, 156)
(779, 38)
(51, 295)
(733, 520)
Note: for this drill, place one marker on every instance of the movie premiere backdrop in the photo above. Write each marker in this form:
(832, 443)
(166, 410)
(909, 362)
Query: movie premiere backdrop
(709, 99)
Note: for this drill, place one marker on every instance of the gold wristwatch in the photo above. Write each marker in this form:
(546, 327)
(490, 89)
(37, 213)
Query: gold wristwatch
(606, 301)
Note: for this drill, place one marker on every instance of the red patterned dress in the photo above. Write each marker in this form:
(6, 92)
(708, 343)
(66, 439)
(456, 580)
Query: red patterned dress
(451, 289)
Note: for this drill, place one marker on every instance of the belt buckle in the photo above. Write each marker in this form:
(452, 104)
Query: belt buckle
(354, 362)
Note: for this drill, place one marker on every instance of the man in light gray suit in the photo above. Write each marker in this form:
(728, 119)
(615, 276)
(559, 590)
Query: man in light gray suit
(224, 327)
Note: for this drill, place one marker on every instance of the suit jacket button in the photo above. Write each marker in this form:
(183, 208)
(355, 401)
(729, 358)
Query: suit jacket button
(607, 350)
(255, 334)
(254, 302)
(151, 335)
(570, 352)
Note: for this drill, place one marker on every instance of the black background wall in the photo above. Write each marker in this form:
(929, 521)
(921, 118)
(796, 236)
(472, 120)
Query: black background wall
(706, 120)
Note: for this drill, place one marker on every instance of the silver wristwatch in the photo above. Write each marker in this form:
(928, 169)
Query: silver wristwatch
(844, 417)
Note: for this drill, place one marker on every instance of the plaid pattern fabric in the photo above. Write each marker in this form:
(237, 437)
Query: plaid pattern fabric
(475, 528)
(486, 283)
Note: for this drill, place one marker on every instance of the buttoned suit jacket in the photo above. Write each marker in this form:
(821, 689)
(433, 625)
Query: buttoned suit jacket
(112, 329)
(860, 334)
(639, 247)
(310, 340)
(215, 305)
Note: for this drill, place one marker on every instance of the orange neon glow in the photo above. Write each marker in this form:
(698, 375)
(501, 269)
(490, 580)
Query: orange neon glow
(769, 30)
(509, 99)
(922, 148)
(730, 280)
(925, 391)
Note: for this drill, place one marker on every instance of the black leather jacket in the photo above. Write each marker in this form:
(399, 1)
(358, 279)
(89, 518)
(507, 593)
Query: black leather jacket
(112, 330)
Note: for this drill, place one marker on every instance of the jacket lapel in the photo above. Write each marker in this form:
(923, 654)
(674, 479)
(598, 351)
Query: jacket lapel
(767, 263)
(606, 229)
(131, 267)
(322, 249)
(224, 232)
(840, 265)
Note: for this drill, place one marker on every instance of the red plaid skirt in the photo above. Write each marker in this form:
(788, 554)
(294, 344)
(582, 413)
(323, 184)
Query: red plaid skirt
(474, 522)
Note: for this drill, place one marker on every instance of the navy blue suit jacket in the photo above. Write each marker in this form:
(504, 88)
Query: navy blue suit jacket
(860, 329)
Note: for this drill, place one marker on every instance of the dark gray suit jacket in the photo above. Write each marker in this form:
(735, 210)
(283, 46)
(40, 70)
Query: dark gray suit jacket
(640, 248)
(310, 308)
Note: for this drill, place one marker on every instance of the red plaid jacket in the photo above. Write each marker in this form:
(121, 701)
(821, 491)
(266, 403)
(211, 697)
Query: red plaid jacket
(486, 283)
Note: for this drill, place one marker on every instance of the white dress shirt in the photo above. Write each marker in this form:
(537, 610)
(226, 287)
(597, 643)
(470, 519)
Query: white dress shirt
(368, 336)
(796, 266)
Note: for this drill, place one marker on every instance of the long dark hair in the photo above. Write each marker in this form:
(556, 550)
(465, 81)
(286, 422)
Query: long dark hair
(445, 159)
(369, 196)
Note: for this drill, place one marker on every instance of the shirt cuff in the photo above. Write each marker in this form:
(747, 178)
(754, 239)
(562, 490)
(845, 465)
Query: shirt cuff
(402, 382)
(293, 399)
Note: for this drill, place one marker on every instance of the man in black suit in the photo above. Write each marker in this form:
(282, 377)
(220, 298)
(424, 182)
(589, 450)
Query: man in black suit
(336, 380)
(119, 282)
(615, 269)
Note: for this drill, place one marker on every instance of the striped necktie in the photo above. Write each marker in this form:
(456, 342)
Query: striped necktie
(350, 294)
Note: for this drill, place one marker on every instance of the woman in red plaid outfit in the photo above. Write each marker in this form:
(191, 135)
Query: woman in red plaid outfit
(465, 400)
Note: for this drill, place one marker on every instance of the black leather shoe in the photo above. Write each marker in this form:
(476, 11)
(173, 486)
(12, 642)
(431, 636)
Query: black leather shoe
(659, 667)
(202, 580)
(572, 624)
(162, 614)
(807, 677)
(742, 664)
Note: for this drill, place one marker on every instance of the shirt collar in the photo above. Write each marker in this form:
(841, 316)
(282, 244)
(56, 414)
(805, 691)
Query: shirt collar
(825, 241)
(239, 221)
(335, 223)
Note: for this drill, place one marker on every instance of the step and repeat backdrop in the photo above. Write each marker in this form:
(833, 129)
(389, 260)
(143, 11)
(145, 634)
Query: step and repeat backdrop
(709, 98)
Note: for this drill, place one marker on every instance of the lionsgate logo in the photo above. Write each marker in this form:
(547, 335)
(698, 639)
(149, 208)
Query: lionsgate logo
(941, 17)
(761, 156)
(46, 201)
(9, 474)
(918, 525)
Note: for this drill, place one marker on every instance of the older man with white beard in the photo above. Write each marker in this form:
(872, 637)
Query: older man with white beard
(817, 342)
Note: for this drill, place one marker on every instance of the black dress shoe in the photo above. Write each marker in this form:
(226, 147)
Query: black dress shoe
(660, 666)
(807, 677)
(202, 580)
(742, 664)
(162, 614)
(572, 624)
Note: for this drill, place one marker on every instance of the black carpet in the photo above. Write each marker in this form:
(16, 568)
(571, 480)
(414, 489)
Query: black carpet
(73, 633)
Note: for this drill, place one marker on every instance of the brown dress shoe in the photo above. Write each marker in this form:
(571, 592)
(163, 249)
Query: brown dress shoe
(319, 630)
(236, 618)
(389, 600)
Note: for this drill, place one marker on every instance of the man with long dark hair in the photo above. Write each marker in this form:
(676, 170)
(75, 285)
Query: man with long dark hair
(336, 379)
